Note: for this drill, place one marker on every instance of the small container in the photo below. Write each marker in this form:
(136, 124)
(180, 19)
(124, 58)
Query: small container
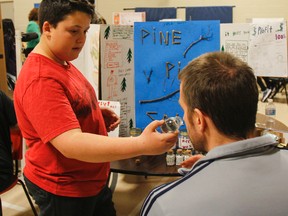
(270, 112)
(135, 132)
(179, 157)
(170, 158)
(171, 124)
(187, 154)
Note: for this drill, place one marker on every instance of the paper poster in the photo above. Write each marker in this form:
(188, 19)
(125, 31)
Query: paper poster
(162, 49)
(128, 18)
(115, 106)
(117, 71)
(88, 59)
(234, 39)
(268, 49)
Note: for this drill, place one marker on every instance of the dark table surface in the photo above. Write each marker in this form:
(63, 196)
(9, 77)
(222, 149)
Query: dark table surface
(156, 165)
(145, 165)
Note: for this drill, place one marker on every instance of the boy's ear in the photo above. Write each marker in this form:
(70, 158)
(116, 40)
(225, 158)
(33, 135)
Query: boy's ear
(46, 27)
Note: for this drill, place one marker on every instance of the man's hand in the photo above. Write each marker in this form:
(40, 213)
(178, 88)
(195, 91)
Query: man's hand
(191, 161)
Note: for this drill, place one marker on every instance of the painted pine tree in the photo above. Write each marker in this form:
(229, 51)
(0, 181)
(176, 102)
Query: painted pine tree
(131, 123)
(107, 32)
(129, 56)
(123, 85)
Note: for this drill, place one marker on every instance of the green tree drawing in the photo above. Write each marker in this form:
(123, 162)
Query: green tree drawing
(129, 56)
(131, 123)
(123, 85)
(222, 48)
(107, 32)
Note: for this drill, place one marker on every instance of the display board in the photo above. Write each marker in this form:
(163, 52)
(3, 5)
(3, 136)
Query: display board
(88, 59)
(234, 38)
(128, 18)
(3, 72)
(117, 71)
(268, 48)
(162, 49)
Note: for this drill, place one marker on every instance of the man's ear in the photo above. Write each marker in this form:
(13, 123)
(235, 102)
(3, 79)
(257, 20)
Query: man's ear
(199, 119)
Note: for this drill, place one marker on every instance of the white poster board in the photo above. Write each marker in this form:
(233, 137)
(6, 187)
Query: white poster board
(234, 38)
(267, 53)
(128, 18)
(117, 71)
(88, 59)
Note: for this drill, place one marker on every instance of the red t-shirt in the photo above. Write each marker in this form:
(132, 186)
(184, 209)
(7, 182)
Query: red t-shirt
(50, 99)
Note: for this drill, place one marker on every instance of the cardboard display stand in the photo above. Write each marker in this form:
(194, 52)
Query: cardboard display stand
(3, 73)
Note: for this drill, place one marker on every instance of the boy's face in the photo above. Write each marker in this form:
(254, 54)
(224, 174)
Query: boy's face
(67, 39)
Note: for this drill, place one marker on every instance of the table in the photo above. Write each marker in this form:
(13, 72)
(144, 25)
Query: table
(156, 165)
(148, 166)
(261, 120)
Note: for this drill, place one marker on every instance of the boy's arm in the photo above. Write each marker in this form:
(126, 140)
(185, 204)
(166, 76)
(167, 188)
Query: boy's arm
(97, 148)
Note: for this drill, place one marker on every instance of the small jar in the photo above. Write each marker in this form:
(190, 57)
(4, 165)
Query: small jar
(170, 158)
(179, 157)
(187, 154)
(135, 132)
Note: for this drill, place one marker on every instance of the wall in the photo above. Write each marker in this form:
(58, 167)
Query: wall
(7, 10)
(243, 10)
(21, 11)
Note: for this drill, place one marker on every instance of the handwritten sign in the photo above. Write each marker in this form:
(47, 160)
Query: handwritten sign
(235, 39)
(162, 49)
(268, 49)
(117, 71)
(115, 106)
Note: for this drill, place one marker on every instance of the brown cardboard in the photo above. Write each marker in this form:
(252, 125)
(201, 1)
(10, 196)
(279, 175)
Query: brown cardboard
(3, 72)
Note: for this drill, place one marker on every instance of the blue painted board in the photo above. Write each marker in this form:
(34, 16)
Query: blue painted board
(162, 49)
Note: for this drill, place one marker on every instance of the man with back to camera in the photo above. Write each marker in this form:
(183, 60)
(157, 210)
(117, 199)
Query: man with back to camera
(241, 174)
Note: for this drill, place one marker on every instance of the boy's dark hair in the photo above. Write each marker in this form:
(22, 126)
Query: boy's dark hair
(54, 11)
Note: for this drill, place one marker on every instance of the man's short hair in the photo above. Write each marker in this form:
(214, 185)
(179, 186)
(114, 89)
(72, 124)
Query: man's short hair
(223, 87)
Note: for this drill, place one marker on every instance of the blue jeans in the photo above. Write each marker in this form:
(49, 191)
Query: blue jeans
(53, 205)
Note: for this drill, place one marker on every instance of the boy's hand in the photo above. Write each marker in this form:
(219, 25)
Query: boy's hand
(152, 142)
(111, 119)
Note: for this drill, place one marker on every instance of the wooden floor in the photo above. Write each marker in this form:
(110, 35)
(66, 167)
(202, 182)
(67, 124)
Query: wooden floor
(130, 190)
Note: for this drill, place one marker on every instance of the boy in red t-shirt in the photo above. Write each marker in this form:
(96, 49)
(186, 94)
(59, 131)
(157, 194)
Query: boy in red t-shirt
(67, 161)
